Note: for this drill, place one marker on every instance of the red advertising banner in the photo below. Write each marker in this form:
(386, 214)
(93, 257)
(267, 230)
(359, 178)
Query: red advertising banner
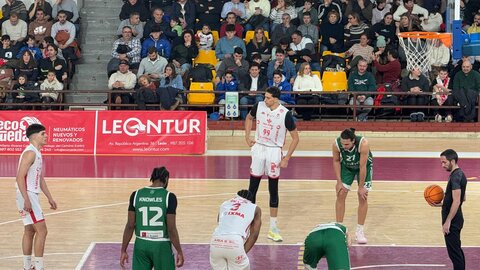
(152, 133)
(108, 132)
(68, 132)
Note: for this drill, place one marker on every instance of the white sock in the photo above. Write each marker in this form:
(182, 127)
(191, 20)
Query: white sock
(38, 263)
(27, 261)
(359, 228)
(273, 223)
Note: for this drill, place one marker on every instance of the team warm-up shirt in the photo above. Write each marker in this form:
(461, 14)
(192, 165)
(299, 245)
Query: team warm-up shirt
(272, 126)
(151, 206)
(235, 217)
(457, 180)
(351, 158)
(34, 173)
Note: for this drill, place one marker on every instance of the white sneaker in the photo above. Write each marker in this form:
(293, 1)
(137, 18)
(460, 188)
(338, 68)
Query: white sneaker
(360, 237)
(438, 118)
(448, 119)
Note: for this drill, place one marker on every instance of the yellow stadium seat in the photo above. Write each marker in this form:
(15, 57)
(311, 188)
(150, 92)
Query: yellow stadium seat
(316, 73)
(325, 53)
(201, 98)
(333, 81)
(214, 74)
(250, 34)
(206, 57)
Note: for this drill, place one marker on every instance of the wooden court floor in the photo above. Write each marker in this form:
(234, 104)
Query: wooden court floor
(95, 210)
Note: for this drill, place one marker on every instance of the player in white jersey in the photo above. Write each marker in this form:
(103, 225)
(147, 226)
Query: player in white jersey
(30, 182)
(239, 223)
(272, 122)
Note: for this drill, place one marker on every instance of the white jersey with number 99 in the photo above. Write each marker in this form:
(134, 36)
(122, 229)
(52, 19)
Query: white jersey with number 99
(271, 130)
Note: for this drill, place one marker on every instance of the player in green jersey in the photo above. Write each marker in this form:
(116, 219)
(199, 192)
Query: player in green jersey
(352, 158)
(151, 215)
(329, 240)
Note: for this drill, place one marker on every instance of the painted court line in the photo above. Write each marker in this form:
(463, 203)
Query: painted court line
(398, 265)
(85, 256)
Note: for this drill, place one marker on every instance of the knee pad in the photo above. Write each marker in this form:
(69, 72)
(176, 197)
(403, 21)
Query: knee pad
(273, 190)
(253, 187)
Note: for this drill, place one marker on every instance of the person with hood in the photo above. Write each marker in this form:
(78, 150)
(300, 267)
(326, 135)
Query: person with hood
(155, 40)
(280, 81)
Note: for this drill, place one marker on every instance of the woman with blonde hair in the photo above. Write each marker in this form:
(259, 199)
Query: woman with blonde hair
(259, 44)
(306, 81)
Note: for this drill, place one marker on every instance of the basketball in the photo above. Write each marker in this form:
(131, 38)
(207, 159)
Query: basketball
(433, 194)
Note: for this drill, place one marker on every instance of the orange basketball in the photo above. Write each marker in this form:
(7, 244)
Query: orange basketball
(433, 194)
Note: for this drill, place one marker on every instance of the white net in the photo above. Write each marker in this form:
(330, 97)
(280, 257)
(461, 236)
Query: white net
(418, 52)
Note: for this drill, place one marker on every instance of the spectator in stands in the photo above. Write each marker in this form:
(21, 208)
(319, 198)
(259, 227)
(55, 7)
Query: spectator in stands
(475, 27)
(308, 7)
(390, 71)
(361, 80)
(183, 53)
(54, 62)
(7, 51)
(441, 96)
(276, 14)
(231, 19)
(332, 33)
(159, 20)
(362, 8)
(285, 29)
(471, 8)
(155, 40)
(43, 47)
(153, 65)
(40, 27)
(14, 6)
(123, 79)
(307, 28)
(257, 58)
(306, 81)
(40, 5)
(386, 28)
(16, 28)
(354, 29)
(227, 83)
(410, 8)
(71, 10)
(466, 88)
(134, 6)
(259, 44)
(19, 95)
(176, 27)
(284, 86)
(416, 83)
(408, 24)
(283, 44)
(258, 12)
(325, 9)
(440, 57)
(252, 82)
(208, 12)
(63, 32)
(165, 5)
(433, 22)
(49, 90)
(125, 48)
(171, 80)
(360, 51)
(185, 11)
(135, 24)
(380, 10)
(30, 45)
(225, 45)
(205, 38)
(302, 50)
(27, 65)
(236, 7)
(147, 94)
(236, 64)
(282, 64)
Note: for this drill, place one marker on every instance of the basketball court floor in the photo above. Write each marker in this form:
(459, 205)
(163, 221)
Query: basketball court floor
(403, 231)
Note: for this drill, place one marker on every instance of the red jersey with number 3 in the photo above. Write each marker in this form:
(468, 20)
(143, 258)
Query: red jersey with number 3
(271, 130)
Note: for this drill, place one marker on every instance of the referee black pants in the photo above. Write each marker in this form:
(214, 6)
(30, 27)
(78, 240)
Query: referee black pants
(454, 247)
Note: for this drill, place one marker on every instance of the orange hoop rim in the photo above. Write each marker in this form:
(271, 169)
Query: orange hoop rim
(445, 38)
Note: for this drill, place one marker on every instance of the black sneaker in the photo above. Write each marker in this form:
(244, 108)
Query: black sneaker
(414, 117)
(420, 117)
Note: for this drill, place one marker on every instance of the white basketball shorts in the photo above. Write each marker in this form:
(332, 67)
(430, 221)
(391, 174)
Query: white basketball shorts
(36, 215)
(227, 252)
(265, 160)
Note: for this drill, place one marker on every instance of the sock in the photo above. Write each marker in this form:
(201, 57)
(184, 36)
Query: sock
(27, 261)
(359, 228)
(273, 223)
(38, 263)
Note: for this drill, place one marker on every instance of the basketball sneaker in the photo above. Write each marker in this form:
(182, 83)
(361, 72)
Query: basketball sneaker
(274, 234)
(360, 237)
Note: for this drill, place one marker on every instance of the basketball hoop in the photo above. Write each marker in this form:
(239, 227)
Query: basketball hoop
(418, 47)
